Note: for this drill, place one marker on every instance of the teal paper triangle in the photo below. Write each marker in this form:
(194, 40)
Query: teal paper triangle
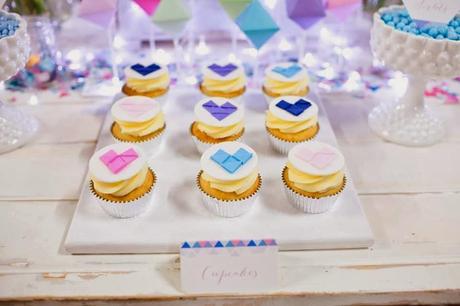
(257, 24)
(229, 244)
(196, 245)
(234, 7)
(262, 243)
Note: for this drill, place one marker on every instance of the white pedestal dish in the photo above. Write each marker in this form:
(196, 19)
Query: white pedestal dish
(16, 127)
(409, 121)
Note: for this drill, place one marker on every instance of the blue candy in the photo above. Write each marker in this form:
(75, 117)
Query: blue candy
(400, 20)
(433, 32)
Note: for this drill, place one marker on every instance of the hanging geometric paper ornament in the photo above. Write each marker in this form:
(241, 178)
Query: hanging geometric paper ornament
(257, 24)
(171, 16)
(99, 12)
(441, 11)
(234, 7)
(305, 13)
(343, 9)
(149, 6)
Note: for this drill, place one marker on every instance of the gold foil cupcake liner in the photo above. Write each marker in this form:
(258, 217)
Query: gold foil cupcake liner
(308, 204)
(228, 208)
(283, 146)
(125, 209)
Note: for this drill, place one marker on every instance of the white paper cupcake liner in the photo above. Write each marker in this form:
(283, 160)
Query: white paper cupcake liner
(283, 146)
(228, 208)
(150, 146)
(202, 146)
(310, 205)
(125, 209)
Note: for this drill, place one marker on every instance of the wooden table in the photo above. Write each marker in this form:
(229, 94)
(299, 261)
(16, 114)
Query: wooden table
(411, 197)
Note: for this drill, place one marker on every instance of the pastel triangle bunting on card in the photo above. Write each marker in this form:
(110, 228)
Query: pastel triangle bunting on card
(257, 24)
(185, 245)
(196, 245)
(171, 16)
(234, 7)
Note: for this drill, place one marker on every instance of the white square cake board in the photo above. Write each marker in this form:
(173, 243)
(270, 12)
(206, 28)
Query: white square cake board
(177, 213)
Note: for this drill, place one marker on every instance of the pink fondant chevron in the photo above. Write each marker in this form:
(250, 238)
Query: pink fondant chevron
(136, 109)
(117, 162)
(318, 159)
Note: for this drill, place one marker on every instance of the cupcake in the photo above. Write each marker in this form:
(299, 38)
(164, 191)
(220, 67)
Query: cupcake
(225, 80)
(314, 176)
(229, 179)
(291, 120)
(121, 180)
(217, 120)
(138, 120)
(285, 79)
(147, 79)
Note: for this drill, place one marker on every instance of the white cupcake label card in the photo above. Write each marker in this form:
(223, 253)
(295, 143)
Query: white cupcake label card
(441, 11)
(229, 266)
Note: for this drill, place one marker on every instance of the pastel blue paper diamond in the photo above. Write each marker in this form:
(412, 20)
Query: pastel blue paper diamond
(257, 24)
(231, 163)
(288, 72)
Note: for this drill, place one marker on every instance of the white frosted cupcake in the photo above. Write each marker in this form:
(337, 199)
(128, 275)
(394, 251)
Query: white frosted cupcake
(229, 179)
(138, 120)
(147, 79)
(121, 181)
(291, 120)
(314, 176)
(216, 120)
(223, 79)
(285, 79)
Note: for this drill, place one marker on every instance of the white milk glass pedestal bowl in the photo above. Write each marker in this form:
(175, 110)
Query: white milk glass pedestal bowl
(409, 121)
(16, 127)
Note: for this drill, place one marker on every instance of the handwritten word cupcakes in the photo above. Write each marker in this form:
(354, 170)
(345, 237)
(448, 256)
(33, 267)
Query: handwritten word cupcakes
(138, 120)
(291, 120)
(147, 79)
(225, 80)
(229, 179)
(314, 176)
(121, 180)
(217, 120)
(285, 79)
